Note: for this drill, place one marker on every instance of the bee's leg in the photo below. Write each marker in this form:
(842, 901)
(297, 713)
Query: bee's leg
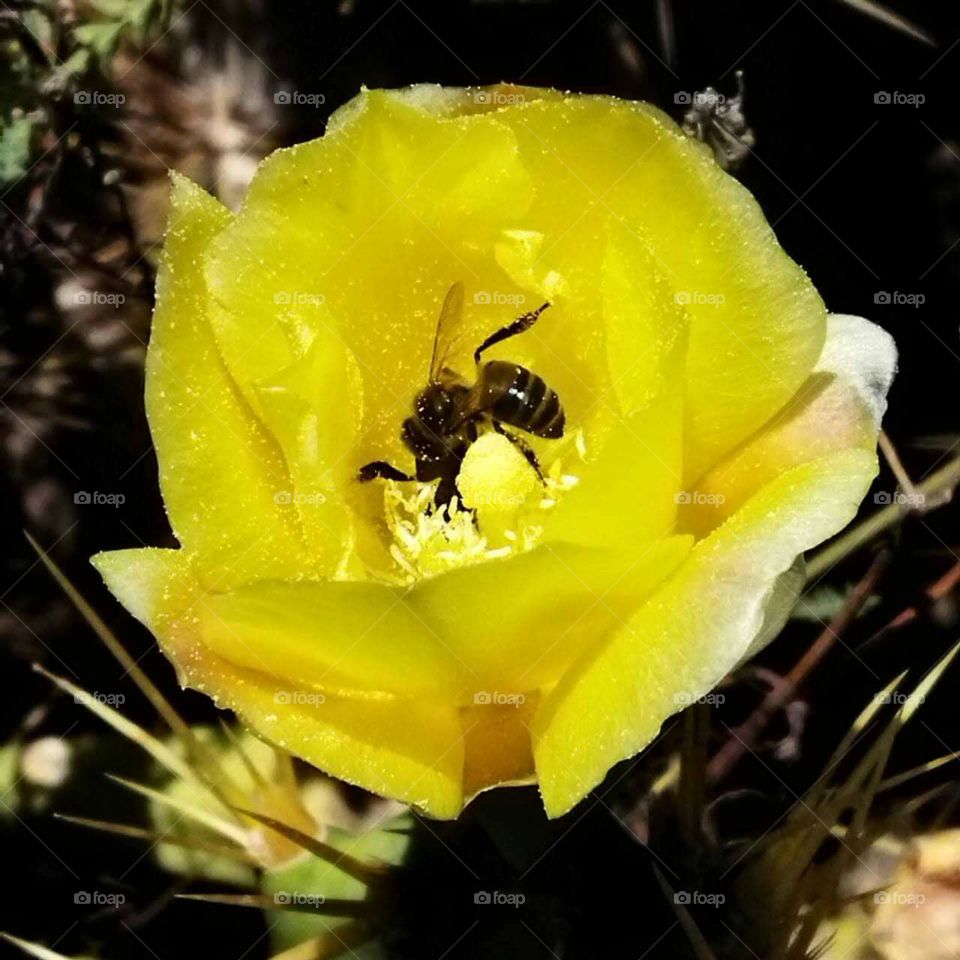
(381, 469)
(523, 322)
(446, 491)
(523, 447)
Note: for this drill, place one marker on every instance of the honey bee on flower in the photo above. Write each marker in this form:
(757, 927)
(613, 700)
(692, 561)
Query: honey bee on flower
(448, 411)
(632, 542)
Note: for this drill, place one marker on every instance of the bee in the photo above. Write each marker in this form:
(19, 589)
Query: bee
(449, 413)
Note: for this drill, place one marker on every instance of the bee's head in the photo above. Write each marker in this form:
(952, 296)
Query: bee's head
(424, 433)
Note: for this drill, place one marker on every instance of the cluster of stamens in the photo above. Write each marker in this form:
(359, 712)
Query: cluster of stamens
(429, 540)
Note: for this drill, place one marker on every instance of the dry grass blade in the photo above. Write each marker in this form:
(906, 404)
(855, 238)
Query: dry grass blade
(862, 782)
(329, 945)
(895, 781)
(156, 748)
(855, 841)
(109, 640)
(367, 874)
(745, 736)
(863, 721)
(227, 829)
(139, 833)
(35, 949)
(882, 14)
(666, 28)
(912, 806)
(693, 766)
(697, 940)
(208, 769)
(788, 859)
(256, 776)
(920, 692)
(937, 488)
(317, 905)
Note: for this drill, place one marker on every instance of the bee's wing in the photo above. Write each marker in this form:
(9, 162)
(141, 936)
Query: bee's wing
(476, 400)
(448, 325)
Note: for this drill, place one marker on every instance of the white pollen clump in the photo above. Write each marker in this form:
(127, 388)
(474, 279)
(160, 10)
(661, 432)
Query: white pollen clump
(495, 477)
(506, 503)
(46, 762)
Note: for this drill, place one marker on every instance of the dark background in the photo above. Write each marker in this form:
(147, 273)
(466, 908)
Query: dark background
(865, 196)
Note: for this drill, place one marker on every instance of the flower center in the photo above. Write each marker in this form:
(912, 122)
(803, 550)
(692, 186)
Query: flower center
(504, 509)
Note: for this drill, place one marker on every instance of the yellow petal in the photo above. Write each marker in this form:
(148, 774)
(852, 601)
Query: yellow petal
(219, 471)
(838, 407)
(408, 749)
(297, 405)
(497, 737)
(646, 328)
(627, 488)
(518, 623)
(757, 323)
(436, 642)
(693, 630)
(350, 637)
(377, 220)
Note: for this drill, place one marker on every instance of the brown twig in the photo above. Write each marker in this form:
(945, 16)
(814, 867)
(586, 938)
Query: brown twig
(744, 737)
(936, 591)
(896, 465)
(937, 490)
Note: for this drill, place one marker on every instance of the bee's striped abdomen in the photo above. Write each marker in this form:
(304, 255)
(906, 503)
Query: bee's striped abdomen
(522, 399)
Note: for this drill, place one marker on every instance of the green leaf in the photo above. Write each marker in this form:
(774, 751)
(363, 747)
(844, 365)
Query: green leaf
(312, 876)
(16, 137)
(141, 14)
(100, 38)
(824, 603)
(138, 15)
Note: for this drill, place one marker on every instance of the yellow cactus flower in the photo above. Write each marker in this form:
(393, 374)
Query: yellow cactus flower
(718, 423)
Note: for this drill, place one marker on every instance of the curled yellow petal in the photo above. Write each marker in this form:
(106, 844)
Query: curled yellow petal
(401, 748)
(219, 470)
(681, 642)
